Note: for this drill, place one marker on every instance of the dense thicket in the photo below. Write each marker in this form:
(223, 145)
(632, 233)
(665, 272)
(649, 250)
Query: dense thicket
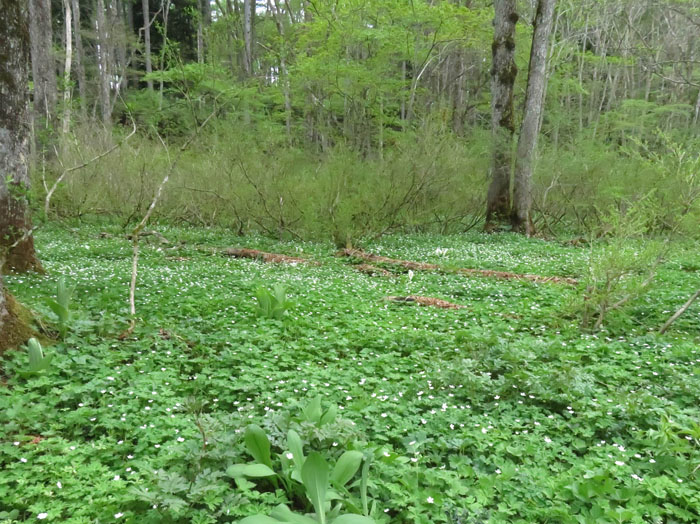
(378, 110)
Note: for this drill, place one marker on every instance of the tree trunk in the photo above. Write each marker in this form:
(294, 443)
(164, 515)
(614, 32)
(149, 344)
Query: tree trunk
(147, 41)
(43, 66)
(200, 32)
(66, 70)
(16, 242)
(248, 36)
(103, 64)
(503, 73)
(78, 56)
(529, 131)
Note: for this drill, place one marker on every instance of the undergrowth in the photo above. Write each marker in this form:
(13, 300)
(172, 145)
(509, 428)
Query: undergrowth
(502, 412)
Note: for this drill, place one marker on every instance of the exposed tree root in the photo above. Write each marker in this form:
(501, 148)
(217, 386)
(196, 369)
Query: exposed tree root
(266, 257)
(373, 270)
(425, 301)
(421, 266)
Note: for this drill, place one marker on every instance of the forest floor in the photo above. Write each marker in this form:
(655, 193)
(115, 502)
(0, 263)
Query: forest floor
(501, 411)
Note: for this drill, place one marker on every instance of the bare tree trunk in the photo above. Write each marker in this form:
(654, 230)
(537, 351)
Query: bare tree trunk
(248, 36)
(200, 32)
(67, 68)
(103, 64)
(530, 129)
(79, 56)
(503, 73)
(16, 241)
(43, 66)
(147, 41)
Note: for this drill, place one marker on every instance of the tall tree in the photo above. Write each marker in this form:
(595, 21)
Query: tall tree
(67, 67)
(79, 56)
(43, 65)
(147, 41)
(103, 54)
(16, 242)
(503, 73)
(248, 36)
(530, 128)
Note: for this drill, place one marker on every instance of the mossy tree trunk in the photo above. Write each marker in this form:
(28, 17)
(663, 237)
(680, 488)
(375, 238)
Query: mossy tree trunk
(43, 63)
(503, 73)
(16, 242)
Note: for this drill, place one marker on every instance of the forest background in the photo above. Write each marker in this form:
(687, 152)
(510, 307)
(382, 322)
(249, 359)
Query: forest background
(319, 119)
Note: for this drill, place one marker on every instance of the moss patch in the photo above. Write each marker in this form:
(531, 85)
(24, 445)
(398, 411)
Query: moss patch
(17, 328)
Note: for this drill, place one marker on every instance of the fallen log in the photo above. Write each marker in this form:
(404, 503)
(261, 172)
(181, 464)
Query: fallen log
(373, 270)
(422, 266)
(275, 258)
(425, 301)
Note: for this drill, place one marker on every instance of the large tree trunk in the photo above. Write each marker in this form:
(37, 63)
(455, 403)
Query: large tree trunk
(66, 70)
(529, 131)
(503, 73)
(147, 41)
(103, 64)
(16, 242)
(248, 36)
(43, 66)
(78, 57)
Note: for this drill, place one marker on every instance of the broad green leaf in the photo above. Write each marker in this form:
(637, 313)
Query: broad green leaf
(296, 446)
(258, 445)
(249, 470)
(285, 514)
(312, 411)
(350, 518)
(259, 519)
(330, 414)
(314, 476)
(346, 467)
(363, 486)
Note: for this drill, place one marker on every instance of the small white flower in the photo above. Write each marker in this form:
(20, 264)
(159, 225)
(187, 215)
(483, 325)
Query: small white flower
(619, 463)
(430, 500)
(42, 516)
(59, 485)
(410, 275)
(498, 472)
(116, 477)
(118, 515)
(290, 456)
(547, 440)
(23, 459)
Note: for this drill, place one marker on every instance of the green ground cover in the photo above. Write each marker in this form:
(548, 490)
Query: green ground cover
(502, 412)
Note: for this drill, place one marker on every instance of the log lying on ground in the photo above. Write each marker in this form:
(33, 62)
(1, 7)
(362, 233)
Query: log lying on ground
(425, 301)
(266, 257)
(373, 270)
(421, 266)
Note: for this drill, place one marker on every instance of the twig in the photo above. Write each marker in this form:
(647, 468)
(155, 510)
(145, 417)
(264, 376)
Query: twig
(680, 311)
(136, 233)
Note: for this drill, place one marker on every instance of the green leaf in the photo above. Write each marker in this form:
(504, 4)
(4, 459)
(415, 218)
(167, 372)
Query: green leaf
(312, 411)
(346, 467)
(314, 476)
(330, 415)
(285, 514)
(258, 445)
(350, 518)
(249, 470)
(296, 446)
(259, 519)
(363, 487)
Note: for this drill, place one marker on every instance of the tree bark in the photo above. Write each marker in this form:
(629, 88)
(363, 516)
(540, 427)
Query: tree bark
(78, 57)
(503, 73)
(147, 41)
(43, 66)
(248, 36)
(103, 64)
(67, 68)
(16, 242)
(530, 128)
